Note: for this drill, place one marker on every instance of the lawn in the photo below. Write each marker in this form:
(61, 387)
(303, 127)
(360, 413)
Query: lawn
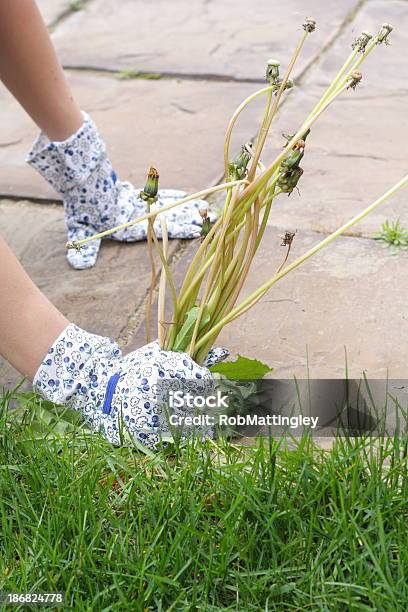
(204, 526)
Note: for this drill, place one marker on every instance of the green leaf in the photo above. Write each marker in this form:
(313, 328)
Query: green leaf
(242, 368)
(185, 334)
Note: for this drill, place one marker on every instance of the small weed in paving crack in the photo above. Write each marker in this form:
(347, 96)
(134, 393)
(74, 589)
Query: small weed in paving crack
(394, 235)
(126, 75)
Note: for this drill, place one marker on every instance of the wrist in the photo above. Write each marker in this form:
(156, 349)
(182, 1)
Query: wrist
(67, 164)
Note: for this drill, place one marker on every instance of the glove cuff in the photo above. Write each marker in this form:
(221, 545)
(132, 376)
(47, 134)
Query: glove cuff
(68, 372)
(67, 164)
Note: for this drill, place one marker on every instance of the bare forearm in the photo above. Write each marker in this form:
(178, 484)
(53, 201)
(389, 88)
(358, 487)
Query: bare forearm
(30, 70)
(29, 323)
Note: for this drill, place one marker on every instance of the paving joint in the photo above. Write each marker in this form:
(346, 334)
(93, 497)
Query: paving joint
(153, 75)
(10, 143)
(69, 11)
(19, 199)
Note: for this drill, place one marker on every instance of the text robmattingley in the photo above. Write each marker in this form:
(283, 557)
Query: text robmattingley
(269, 420)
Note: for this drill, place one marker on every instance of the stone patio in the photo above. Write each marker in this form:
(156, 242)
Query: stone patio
(209, 56)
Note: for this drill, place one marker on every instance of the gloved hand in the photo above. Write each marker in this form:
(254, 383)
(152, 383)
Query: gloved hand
(121, 397)
(96, 200)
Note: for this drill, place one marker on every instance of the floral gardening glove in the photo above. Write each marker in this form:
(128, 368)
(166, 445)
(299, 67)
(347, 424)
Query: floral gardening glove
(121, 397)
(96, 200)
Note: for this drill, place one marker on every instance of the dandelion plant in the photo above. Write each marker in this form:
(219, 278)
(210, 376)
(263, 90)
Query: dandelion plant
(394, 234)
(209, 296)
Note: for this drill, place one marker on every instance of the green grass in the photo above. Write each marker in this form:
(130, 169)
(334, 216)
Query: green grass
(201, 527)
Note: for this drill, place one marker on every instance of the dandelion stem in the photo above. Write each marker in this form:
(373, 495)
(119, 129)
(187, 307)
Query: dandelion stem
(256, 295)
(161, 301)
(266, 127)
(150, 233)
(213, 272)
(76, 244)
(234, 118)
(169, 275)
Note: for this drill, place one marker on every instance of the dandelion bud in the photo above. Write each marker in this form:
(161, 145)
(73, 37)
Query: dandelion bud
(309, 25)
(289, 180)
(206, 224)
(151, 188)
(205, 228)
(237, 168)
(355, 78)
(73, 244)
(300, 143)
(361, 41)
(293, 159)
(288, 85)
(382, 35)
(203, 212)
(306, 134)
(287, 238)
(272, 71)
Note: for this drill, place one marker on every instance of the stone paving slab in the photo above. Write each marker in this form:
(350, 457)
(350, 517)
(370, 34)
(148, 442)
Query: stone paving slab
(352, 294)
(357, 150)
(176, 126)
(202, 37)
(101, 299)
(51, 10)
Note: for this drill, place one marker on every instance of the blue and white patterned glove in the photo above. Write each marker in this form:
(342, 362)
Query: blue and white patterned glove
(121, 397)
(95, 199)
